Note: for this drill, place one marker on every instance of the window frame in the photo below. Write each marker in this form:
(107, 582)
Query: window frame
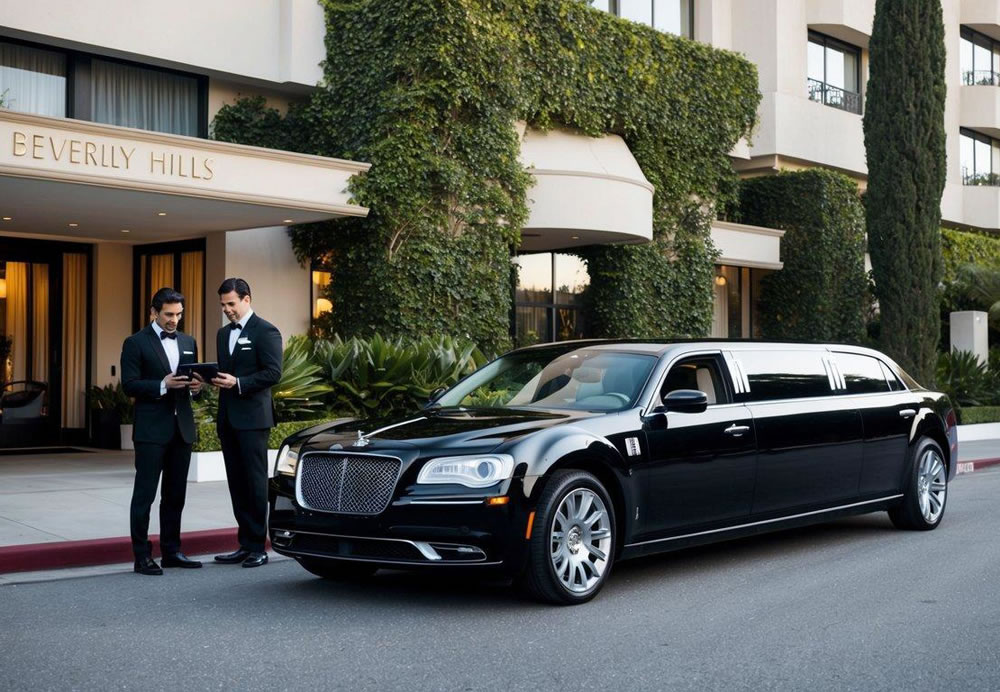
(993, 177)
(614, 7)
(715, 357)
(830, 42)
(551, 307)
(79, 82)
(978, 38)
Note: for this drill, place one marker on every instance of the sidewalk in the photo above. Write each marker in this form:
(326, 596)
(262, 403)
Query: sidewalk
(72, 509)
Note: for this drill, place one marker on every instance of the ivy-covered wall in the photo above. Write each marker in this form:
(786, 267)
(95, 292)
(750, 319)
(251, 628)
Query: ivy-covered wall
(428, 92)
(821, 293)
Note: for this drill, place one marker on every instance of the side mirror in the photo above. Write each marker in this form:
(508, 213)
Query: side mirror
(686, 401)
(434, 395)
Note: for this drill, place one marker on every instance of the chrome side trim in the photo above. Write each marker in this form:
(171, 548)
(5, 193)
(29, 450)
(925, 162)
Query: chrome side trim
(766, 521)
(285, 551)
(426, 550)
(828, 366)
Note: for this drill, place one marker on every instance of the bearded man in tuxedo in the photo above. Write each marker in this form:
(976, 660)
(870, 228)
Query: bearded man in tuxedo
(250, 359)
(164, 428)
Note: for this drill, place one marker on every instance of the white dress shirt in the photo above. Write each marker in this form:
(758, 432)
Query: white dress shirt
(172, 351)
(234, 336)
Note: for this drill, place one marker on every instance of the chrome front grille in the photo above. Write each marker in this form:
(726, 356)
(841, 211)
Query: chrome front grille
(346, 483)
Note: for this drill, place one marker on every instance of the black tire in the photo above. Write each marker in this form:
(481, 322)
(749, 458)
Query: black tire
(337, 570)
(539, 578)
(925, 489)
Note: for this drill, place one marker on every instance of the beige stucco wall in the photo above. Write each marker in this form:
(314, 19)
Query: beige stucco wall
(278, 41)
(112, 309)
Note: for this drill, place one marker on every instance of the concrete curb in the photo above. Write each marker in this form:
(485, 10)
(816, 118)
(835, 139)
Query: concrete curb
(101, 551)
(977, 465)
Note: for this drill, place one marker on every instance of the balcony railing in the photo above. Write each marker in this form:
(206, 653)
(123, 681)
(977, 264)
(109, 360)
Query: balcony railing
(981, 78)
(821, 92)
(985, 179)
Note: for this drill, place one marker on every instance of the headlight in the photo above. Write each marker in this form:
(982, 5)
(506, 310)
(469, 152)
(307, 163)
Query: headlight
(287, 460)
(471, 471)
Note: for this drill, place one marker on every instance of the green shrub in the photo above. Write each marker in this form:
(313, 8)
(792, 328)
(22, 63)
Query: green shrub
(980, 414)
(965, 380)
(301, 389)
(822, 292)
(380, 377)
(112, 397)
(208, 439)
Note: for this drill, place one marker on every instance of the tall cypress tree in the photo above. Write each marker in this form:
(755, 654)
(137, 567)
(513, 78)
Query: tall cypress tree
(905, 142)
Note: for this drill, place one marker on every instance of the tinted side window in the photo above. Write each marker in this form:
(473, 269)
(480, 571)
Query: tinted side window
(784, 374)
(894, 383)
(863, 374)
(700, 373)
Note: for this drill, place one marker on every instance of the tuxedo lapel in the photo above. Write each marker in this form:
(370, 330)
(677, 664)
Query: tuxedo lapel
(248, 333)
(157, 345)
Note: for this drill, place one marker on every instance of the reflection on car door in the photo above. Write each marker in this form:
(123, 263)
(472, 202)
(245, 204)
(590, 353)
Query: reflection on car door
(700, 467)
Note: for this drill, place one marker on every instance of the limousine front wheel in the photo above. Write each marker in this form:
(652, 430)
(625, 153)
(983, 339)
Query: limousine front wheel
(926, 489)
(572, 542)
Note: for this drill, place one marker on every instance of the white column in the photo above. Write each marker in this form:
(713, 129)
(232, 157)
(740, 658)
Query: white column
(969, 333)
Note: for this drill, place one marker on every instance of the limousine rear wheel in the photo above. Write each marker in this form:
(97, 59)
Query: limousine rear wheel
(572, 544)
(337, 570)
(926, 490)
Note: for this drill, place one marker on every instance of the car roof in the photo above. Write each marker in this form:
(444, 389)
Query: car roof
(660, 346)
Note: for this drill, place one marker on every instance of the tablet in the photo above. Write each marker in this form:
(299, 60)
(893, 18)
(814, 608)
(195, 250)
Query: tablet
(207, 371)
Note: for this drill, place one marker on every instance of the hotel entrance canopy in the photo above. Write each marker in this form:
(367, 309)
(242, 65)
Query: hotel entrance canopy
(101, 182)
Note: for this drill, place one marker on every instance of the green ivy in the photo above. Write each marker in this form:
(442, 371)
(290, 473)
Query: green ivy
(429, 91)
(821, 293)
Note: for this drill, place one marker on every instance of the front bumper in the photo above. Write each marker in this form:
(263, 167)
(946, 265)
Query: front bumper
(412, 532)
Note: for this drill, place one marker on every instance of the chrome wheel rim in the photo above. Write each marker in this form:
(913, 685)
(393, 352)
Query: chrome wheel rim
(580, 540)
(932, 486)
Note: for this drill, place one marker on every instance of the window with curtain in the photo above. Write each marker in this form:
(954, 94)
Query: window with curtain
(549, 298)
(834, 73)
(146, 99)
(180, 266)
(24, 319)
(74, 326)
(32, 80)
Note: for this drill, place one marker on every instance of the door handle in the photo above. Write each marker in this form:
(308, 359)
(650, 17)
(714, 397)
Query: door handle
(737, 430)
(907, 413)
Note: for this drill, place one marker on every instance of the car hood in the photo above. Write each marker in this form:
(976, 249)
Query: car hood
(449, 430)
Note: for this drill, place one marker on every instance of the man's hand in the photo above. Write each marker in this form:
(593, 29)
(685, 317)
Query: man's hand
(196, 383)
(176, 382)
(224, 380)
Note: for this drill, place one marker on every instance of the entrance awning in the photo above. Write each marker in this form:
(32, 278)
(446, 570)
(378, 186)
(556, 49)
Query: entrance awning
(90, 181)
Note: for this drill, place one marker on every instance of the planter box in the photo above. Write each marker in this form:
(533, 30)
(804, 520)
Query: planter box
(126, 435)
(978, 431)
(210, 466)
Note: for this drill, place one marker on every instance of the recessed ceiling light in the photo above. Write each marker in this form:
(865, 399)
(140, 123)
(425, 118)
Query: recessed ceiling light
(73, 225)
(286, 221)
(125, 230)
(7, 218)
(575, 237)
(161, 213)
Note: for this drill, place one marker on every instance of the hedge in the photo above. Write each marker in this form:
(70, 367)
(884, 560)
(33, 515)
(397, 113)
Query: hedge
(821, 293)
(980, 414)
(208, 439)
(429, 92)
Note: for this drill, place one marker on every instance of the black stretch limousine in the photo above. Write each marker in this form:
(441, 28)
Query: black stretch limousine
(554, 461)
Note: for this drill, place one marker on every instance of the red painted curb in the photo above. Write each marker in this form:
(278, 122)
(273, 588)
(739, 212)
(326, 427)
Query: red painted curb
(971, 466)
(104, 551)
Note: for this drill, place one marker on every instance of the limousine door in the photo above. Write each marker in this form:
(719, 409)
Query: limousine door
(809, 439)
(700, 466)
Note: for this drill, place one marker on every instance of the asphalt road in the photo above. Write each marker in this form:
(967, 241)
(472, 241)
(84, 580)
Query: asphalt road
(850, 605)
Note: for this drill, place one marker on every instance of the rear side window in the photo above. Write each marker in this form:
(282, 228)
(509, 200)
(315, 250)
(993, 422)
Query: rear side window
(894, 383)
(784, 374)
(863, 374)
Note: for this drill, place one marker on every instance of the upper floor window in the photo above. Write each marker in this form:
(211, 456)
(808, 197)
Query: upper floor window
(834, 73)
(32, 80)
(670, 16)
(980, 158)
(146, 99)
(979, 57)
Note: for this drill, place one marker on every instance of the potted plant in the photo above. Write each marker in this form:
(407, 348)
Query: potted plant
(126, 417)
(112, 417)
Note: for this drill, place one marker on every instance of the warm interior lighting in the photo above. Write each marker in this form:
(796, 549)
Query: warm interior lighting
(125, 230)
(3, 288)
(323, 305)
(720, 280)
(7, 218)
(286, 221)
(161, 213)
(73, 225)
(531, 522)
(494, 501)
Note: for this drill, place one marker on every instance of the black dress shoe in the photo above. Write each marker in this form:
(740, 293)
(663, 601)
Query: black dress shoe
(255, 560)
(233, 557)
(147, 565)
(179, 560)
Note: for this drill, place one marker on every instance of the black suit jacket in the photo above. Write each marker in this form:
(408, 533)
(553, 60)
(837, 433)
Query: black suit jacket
(256, 362)
(144, 365)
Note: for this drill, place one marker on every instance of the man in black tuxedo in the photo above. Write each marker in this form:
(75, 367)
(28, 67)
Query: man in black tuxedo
(164, 428)
(250, 358)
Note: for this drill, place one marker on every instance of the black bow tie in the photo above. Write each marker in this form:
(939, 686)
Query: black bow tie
(235, 325)
(167, 335)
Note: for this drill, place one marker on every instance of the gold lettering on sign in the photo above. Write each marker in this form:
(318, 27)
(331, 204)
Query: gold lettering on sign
(208, 168)
(153, 161)
(89, 149)
(62, 147)
(127, 155)
(20, 143)
(74, 150)
(36, 146)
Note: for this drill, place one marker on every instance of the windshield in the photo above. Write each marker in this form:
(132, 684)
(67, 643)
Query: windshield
(585, 379)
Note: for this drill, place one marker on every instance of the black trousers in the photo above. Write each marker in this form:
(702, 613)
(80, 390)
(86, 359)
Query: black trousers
(151, 460)
(245, 454)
